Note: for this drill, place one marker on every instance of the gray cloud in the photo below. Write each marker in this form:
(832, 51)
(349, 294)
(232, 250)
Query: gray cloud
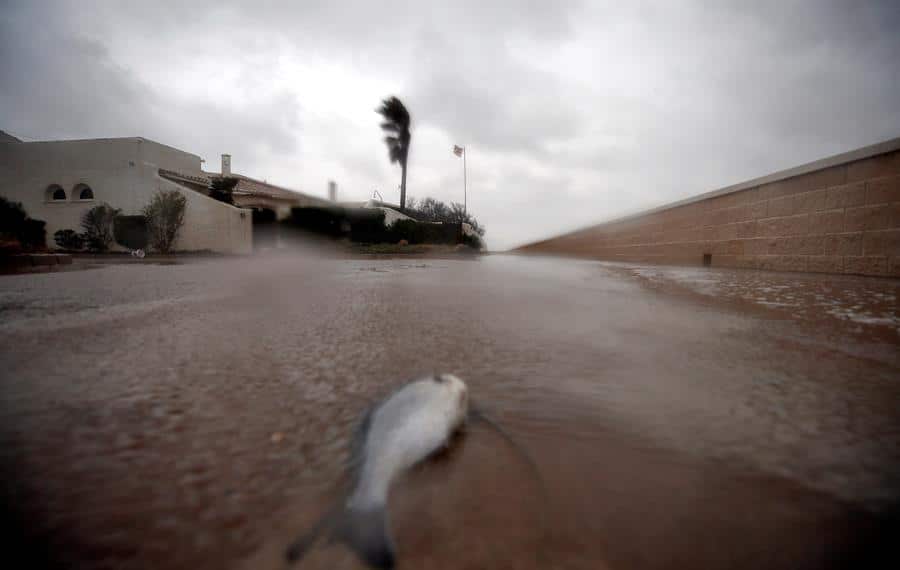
(59, 86)
(572, 113)
(507, 108)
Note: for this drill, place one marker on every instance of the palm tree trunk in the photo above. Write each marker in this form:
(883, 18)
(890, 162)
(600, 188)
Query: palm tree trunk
(403, 187)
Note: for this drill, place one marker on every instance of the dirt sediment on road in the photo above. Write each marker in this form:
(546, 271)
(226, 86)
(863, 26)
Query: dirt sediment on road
(198, 415)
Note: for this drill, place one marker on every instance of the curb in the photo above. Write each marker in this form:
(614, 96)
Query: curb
(33, 262)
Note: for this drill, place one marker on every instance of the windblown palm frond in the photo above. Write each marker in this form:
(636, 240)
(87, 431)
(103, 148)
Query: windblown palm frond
(397, 126)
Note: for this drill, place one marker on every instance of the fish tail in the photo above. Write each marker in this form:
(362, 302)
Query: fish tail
(365, 531)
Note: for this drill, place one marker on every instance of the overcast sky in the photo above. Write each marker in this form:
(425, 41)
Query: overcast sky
(573, 112)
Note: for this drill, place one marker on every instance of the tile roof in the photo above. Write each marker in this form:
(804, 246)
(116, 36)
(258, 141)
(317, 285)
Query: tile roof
(246, 186)
(193, 180)
(252, 187)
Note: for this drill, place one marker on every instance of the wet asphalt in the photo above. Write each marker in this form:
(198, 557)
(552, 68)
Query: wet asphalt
(198, 414)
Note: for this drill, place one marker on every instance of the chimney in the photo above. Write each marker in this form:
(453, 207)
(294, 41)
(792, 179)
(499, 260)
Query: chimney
(226, 165)
(332, 190)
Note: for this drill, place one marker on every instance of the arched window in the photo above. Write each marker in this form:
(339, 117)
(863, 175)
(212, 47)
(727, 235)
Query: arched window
(55, 192)
(84, 192)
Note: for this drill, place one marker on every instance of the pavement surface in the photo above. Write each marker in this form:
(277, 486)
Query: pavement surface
(198, 414)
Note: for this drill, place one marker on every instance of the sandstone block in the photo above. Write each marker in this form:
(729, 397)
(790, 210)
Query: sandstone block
(866, 265)
(843, 244)
(809, 201)
(867, 218)
(825, 263)
(831, 222)
(874, 167)
(845, 196)
(781, 206)
(883, 190)
(884, 242)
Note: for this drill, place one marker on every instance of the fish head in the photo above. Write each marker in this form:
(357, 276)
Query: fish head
(459, 392)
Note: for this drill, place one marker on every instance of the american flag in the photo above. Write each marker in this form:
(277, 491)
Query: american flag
(458, 150)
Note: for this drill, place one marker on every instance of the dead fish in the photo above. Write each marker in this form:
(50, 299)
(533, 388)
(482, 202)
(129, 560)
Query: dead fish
(411, 424)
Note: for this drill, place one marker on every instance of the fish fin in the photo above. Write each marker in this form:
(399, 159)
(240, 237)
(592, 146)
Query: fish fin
(476, 413)
(299, 547)
(366, 532)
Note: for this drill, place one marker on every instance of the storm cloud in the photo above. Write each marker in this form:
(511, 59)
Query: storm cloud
(572, 113)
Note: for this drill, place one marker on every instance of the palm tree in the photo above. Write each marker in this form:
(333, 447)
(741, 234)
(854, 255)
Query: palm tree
(396, 124)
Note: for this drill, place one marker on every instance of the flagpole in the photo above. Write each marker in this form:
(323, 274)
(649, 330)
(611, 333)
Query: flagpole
(465, 190)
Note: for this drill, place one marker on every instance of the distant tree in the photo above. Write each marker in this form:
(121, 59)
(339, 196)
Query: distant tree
(97, 224)
(431, 210)
(221, 188)
(396, 124)
(458, 213)
(165, 216)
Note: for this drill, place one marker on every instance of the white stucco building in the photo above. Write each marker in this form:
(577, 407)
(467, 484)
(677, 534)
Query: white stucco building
(57, 181)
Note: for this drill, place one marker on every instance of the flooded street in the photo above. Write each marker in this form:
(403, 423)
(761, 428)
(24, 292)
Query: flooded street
(199, 415)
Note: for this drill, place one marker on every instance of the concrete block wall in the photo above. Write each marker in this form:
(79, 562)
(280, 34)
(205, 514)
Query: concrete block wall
(838, 215)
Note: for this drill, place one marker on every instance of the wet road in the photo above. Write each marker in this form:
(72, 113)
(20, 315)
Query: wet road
(198, 415)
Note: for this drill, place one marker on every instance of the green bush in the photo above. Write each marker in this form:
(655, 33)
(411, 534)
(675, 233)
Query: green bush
(97, 224)
(131, 231)
(69, 240)
(15, 224)
(165, 216)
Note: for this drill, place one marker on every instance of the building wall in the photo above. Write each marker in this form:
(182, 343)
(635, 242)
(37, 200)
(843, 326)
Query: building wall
(838, 215)
(123, 173)
(212, 225)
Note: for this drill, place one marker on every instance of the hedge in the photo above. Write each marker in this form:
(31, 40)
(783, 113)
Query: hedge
(366, 225)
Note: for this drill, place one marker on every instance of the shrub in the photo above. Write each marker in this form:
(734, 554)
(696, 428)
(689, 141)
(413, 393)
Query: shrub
(165, 216)
(222, 188)
(16, 225)
(69, 240)
(131, 231)
(97, 224)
